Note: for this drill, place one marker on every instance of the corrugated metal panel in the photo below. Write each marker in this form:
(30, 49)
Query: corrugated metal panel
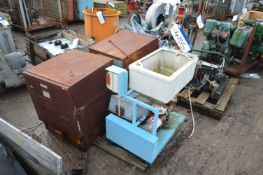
(48, 8)
(11, 7)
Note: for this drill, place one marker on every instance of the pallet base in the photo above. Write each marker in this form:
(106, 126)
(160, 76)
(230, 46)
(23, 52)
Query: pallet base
(124, 155)
(120, 153)
(202, 103)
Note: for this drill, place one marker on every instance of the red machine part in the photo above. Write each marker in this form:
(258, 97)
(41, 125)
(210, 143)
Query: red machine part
(180, 15)
(68, 10)
(132, 6)
(108, 79)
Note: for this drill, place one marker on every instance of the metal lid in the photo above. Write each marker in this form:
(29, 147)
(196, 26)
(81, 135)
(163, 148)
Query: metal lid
(122, 44)
(70, 67)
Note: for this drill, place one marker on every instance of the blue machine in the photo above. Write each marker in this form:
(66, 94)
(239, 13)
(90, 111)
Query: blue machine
(128, 134)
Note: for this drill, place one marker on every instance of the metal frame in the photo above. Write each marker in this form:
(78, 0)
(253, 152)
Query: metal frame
(131, 137)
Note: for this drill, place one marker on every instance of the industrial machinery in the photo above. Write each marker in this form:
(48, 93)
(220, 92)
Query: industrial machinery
(239, 40)
(209, 77)
(217, 37)
(140, 121)
(159, 19)
(11, 67)
(12, 63)
(241, 46)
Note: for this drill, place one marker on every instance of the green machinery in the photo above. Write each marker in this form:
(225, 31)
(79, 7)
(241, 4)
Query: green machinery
(225, 38)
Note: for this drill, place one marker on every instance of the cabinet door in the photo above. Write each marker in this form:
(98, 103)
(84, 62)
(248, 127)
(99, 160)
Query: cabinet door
(83, 4)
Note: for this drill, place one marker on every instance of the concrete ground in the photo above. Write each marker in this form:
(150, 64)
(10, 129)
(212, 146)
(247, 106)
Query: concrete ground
(233, 145)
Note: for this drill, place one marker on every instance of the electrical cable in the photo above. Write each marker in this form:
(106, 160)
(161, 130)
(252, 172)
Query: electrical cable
(192, 113)
(119, 105)
(32, 127)
(213, 52)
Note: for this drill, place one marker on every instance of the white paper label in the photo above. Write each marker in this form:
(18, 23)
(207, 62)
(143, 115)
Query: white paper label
(4, 22)
(181, 38)
(111, 4)
(46, 94)
(79, 126)
(100, 17)
(167, 9)
(43, 86)
(244, 10)
(200, 22)
(235, 18)
(74, 43)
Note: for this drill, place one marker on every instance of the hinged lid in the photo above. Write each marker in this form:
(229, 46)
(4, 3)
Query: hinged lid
(70, 67)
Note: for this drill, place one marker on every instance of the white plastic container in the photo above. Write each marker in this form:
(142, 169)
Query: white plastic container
(162, 74)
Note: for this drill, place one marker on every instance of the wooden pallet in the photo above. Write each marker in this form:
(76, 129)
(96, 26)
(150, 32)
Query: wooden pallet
(102, 142)
(126, 156)
(120, 153)
(204, 105)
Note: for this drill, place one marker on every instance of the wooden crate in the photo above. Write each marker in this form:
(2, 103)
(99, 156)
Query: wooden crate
(38, 54)
(203, 104)
(252, 15)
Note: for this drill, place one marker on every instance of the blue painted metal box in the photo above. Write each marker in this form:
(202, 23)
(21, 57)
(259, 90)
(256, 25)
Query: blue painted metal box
(83, 4)
(138, 141)
(127, 133)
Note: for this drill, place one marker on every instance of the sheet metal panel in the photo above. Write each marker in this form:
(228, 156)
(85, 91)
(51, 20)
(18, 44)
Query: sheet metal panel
(126, 46)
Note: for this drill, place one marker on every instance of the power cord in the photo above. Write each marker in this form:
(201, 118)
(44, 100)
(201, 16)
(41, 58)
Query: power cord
(32, 127)
(192, 113)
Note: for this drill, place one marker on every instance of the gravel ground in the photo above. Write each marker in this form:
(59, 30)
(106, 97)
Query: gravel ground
(233, 145)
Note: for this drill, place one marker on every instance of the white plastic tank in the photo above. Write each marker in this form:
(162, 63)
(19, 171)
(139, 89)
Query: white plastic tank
(162, 74)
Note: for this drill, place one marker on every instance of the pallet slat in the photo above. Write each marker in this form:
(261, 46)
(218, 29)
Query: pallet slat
(120, 153)
(201, 99)
(202, 104)
(224, 99)
(185, 93)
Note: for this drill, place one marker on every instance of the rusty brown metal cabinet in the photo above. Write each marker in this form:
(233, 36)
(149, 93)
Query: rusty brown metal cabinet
(70, 95)
(125, 47)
